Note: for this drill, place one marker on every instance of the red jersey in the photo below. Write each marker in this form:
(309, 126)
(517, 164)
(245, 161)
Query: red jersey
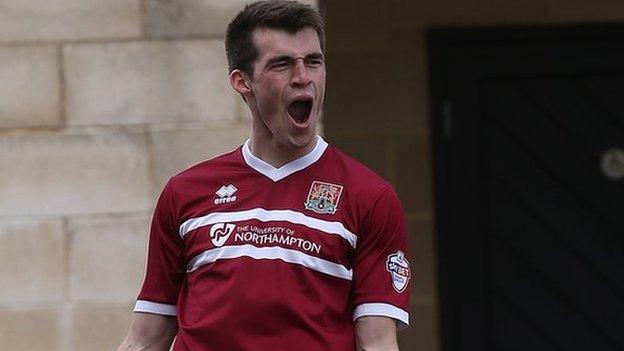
(252, 257)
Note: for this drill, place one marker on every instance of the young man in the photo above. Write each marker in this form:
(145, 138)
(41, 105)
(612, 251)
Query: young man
(284, 243)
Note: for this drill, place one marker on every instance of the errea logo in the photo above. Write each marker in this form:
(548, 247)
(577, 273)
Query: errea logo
(225, 194)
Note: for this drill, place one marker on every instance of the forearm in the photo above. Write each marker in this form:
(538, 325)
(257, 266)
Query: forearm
(150, 332)
(376, 334)
(164, 344)
(387, 345)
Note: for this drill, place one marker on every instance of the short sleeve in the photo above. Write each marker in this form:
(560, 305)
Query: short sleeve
(381, 269)
(165, 272)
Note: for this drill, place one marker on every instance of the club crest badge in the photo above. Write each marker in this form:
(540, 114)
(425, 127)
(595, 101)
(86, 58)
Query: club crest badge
(323, 197)
(399, 269)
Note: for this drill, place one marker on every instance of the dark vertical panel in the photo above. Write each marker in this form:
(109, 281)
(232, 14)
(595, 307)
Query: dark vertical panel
(541, 303)
(510, 323)
(530, 232)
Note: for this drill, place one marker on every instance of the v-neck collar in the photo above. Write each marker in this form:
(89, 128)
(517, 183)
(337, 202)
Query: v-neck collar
(276, 174)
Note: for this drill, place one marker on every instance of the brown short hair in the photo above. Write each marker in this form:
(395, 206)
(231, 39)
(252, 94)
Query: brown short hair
(289, 16)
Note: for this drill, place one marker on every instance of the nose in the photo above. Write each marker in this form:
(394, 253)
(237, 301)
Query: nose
(300, 76)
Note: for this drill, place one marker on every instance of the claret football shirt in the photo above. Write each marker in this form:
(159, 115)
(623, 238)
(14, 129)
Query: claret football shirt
(253, 257)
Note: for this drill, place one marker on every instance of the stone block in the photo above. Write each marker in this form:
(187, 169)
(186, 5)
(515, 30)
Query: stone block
(107, 259)
(380, 91)
(148, 82)
(96, 327)
(57, 174)
(585, 11)
(30, 89)
(31, 329)
(414, 171)
(174, 151)
(345, 30)
(422, 334)
(28, 20)
(371, 154)
(32, 260)
(423, 257)
(179, 18)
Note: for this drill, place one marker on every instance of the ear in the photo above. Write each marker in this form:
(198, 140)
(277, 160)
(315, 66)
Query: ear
(240, 82)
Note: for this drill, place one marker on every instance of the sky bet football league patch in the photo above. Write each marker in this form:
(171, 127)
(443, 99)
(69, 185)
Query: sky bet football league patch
(399, 269)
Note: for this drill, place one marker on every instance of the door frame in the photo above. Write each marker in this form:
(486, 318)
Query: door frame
(457, 60)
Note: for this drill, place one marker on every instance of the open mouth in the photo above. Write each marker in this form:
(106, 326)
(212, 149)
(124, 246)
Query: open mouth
(299, 110)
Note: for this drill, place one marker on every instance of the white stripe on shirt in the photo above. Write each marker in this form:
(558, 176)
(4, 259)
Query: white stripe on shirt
(263, 215)
(382, 309)
(156, 308)
(271, 253)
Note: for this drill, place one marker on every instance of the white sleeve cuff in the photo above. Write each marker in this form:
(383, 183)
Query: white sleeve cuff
(385, 310)
(156, 308)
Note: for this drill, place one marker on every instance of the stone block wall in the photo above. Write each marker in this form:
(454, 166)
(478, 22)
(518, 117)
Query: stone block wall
(100, 102)
(377, 105)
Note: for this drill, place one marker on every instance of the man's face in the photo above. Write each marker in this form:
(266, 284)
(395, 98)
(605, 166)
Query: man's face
(288, 86)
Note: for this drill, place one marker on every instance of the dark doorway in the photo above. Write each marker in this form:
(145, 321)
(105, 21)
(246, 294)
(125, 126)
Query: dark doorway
(528, 130)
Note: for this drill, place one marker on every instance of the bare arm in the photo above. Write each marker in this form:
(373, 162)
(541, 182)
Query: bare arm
(373, 333)
(150, 332)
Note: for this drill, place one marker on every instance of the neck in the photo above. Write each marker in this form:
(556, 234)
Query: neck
(277, 154)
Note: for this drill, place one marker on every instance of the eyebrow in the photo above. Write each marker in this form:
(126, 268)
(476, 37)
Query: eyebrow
(282, 58)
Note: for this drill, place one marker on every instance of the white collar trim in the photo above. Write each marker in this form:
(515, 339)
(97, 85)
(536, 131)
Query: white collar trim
(291, 167)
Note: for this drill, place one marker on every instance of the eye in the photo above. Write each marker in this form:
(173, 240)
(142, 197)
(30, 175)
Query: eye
(280, 65)
(314, 62)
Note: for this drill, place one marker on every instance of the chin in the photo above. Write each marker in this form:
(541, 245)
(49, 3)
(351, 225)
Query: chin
(302, 141)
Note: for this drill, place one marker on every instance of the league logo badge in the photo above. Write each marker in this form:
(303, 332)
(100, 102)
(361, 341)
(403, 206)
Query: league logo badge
(220, 232)
(399, 269)
(323, 197)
